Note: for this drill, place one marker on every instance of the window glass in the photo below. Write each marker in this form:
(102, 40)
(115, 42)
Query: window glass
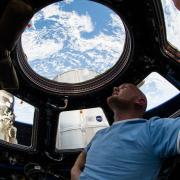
(172, 22)
(24, 111)
(76, 128)
(73, 35)
(157, 90)
(13, 111)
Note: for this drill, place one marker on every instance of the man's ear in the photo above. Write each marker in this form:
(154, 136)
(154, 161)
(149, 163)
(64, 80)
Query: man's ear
(141, 101)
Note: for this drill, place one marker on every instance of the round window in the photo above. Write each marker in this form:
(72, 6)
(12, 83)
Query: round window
(75, 36)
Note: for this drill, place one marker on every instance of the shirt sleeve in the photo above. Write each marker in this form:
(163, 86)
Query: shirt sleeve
(86, 149)
(165, 136)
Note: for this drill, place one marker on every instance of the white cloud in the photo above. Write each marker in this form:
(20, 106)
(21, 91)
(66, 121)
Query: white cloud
(49, 11)
(116, 21)
(70, 24)
(38, 48)
(80, 22)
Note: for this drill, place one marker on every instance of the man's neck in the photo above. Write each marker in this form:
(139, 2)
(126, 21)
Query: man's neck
(119, 116)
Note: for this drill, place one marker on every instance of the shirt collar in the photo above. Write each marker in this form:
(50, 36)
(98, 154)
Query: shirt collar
(128, 120)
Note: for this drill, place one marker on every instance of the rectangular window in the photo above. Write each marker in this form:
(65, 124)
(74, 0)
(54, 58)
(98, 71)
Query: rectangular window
(157, 90)
(172, 22)
(16, 119)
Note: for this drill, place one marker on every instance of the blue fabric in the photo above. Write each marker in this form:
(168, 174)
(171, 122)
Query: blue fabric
(131, 150)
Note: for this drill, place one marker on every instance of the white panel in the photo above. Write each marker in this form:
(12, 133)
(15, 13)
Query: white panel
(76, 128)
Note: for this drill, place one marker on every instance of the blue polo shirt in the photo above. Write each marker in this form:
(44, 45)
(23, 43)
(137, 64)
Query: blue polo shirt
(132, 149)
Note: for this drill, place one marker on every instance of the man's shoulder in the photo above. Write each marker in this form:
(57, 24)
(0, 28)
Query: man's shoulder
(157, 118)
(101, 131)
(162, 121)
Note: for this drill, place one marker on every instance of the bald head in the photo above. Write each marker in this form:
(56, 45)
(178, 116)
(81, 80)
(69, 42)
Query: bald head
(127, 97)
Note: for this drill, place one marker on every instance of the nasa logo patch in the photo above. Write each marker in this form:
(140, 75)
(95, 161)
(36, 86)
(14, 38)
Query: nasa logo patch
(99, 118)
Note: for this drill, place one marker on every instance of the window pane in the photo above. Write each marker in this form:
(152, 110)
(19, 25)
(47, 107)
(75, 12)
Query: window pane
(24, 111)
(172, 21)
(76, 128)
(157, 90)
(13, 111)
(73, 35)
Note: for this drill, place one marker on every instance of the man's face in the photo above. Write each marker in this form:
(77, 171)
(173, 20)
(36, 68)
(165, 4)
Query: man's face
(123, 96)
